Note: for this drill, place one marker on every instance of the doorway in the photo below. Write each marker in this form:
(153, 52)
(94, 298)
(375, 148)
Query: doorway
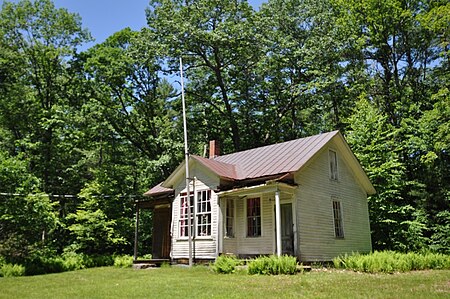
(161, 232)
(287, 229)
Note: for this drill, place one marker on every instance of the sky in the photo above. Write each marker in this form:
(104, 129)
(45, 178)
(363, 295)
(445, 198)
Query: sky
(105, 17)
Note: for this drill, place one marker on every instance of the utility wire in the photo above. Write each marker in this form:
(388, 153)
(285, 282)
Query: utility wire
(67, 195)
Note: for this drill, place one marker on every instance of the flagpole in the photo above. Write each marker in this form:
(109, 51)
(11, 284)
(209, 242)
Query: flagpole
(186, 153)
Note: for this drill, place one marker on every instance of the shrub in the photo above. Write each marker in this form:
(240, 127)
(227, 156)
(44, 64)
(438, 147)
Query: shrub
(73, 261)
(225, 264)
(98, 260)
(390, 261)
(44, 265)
(124, 261)
(273, 265)
(147, 256)
(10, 270)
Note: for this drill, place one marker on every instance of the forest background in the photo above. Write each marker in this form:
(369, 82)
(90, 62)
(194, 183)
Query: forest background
(85, 133)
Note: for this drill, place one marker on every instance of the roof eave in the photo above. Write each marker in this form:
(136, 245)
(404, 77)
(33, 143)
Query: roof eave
(155, 194)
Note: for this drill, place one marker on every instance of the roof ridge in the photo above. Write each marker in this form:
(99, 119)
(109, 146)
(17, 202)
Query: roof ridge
(208, 159)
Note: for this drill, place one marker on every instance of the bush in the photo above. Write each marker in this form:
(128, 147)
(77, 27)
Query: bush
(68, 261)
(98, 260)
(273, 265)
(390, 261)
(73, 261)
(225, 264)
(124, 261)
(147, 256)
(44, 265)
(10, 270)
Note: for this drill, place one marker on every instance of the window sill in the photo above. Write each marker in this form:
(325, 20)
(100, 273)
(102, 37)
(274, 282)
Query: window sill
(185, 239)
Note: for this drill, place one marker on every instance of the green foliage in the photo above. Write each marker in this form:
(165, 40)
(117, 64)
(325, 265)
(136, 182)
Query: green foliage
(26, 222)
(123, 261)
(73, 261)
(98, 260)
(273, 265)
(11, 270)
(44, 264)
(225, 264)
(68, 261)
(94, 232)
(390, 262)
(440, 240)
(147, 256)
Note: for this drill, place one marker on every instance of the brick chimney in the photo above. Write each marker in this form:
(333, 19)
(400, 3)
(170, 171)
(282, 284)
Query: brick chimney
(214, 149)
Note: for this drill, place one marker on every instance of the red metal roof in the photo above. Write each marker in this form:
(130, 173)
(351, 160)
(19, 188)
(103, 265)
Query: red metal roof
(158, 190)
(224, 170)
(275, 159)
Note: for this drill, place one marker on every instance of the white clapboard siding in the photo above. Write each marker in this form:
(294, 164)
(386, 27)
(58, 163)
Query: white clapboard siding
(243, 245)
(315, 193)
(204, 247)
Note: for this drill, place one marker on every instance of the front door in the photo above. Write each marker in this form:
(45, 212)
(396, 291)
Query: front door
(161, 232)
(287, 229)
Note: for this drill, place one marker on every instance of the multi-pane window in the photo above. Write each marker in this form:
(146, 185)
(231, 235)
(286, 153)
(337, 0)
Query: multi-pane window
(184, 213)
(204, 213)
(337, 217)
(333, 165)
(253, 217)
(229, 222)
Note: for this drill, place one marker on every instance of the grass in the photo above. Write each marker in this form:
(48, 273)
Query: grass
(201, 282)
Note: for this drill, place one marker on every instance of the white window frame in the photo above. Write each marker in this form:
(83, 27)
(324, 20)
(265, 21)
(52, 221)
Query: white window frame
(203, 214)
(247, 217)
(183, 218)
(333, 164)
(338, 218)
(230, 204)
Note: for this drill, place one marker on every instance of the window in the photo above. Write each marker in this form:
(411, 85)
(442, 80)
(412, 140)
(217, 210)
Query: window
(184, 214)
(229, 222)
(337, 216)
(204, 213)
(333, 165)
(253, 217)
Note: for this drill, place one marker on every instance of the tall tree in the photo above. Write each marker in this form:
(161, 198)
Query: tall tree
(38, 42)
(220, 47)
(403, 58)
(308, 72)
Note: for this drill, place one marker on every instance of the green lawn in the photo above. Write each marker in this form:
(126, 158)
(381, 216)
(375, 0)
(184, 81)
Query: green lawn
(200, 282)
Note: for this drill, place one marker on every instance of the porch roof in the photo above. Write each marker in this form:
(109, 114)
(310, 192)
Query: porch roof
(159, 190)
(269, 186)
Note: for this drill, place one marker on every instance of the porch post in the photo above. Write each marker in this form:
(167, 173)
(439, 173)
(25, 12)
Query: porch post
(136, 230)
(278, 221)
